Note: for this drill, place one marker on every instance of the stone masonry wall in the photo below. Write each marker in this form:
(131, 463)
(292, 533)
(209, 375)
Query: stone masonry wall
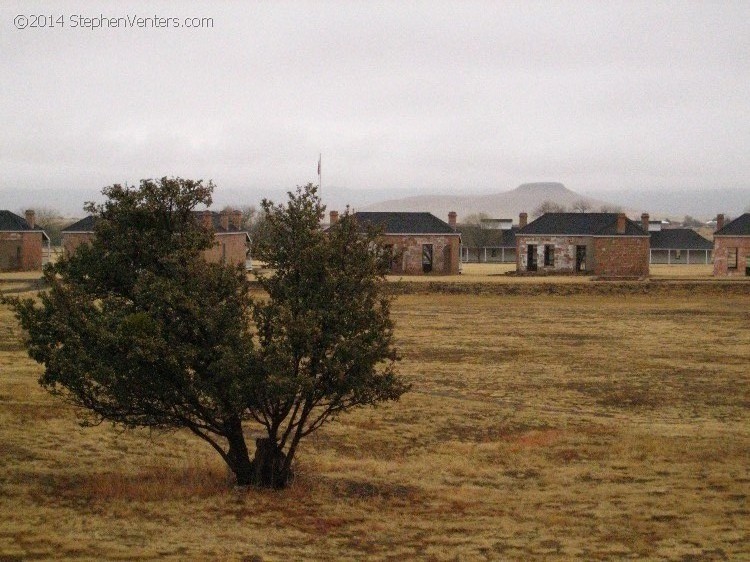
(721, 247)
(408, 249)
(71, 241)
(621, 256)
(30, 246)
(231, 248)
(565, 252)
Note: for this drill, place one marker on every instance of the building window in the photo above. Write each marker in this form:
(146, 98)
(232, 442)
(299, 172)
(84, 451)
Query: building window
(549, 255)
(493, 252)
(731, 258)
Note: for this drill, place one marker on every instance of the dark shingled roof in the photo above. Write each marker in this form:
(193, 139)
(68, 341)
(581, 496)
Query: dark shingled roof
(581, 224)
(405, 223)
(473, 236)
(679, 239)
(87, 224)
(84, 225)
(12, 222)
(738, 227)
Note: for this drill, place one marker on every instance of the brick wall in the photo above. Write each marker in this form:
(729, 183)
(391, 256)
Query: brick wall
(408, 249)
(71, 241)
(21, 251)
(722, 244)
(230, 248)
(626, 256)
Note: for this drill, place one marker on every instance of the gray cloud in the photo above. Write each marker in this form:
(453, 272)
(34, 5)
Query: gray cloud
(426, 96)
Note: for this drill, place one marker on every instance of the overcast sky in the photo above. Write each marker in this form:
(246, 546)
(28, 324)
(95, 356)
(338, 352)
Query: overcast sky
(414, 96)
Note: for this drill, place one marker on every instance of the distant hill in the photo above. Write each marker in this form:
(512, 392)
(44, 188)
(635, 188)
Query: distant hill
(658, 202)
(525, 198)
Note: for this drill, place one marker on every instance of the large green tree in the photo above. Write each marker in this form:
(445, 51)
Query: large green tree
(325, 337)
(138, 330)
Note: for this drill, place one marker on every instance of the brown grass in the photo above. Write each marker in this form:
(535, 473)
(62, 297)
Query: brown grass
(597, 427)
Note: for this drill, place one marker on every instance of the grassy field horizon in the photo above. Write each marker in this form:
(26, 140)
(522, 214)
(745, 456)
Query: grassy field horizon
(596, 427)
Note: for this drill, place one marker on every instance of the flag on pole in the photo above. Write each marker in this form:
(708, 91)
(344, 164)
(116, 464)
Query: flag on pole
(319, 157)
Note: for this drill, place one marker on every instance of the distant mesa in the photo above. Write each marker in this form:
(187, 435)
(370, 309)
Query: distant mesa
(548, 187)
(525, 198)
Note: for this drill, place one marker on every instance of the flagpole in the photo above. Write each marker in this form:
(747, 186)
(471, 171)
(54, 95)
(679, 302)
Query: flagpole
(320, 176)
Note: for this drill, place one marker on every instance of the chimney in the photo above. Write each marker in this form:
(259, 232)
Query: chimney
(644, 221)
(224, 220)
(207, 219)
(452, 216)
(236, 219)
(334, 217)
(30, 217)
(719, 220)
(522, 219)
(621, 222)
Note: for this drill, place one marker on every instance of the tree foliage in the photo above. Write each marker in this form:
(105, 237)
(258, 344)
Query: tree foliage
(325, 336)
(137, 329)
(51, 221)
(691, 222)
(548, 206)
(475, 219)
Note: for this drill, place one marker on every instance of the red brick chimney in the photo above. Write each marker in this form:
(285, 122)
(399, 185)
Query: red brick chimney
(522, 220)
(452, 218)
(334, 217)
(644, 221)
(621, 222)
(719, 220)
(30, 214)
(224, 220)
(236, 219)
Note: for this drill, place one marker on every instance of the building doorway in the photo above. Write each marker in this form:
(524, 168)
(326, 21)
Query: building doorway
(531, 257)
(426, 258)
(580, 258)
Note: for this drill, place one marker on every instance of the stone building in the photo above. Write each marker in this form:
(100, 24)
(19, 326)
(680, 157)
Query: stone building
(22, 243)
(602, 244)
(231, 245)
(732, 247)
(421, 243)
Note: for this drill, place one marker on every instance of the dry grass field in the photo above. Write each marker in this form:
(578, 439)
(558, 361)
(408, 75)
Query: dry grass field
(593, 427)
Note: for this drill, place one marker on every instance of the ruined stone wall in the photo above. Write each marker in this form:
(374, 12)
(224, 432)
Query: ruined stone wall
(230, 248)
(621, 256)
(408, 252)
(722, 244)
(71, 241)
(564, 252)
(21, 251)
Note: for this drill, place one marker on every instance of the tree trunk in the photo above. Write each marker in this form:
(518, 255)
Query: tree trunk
(239, 457)
(268, 465)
